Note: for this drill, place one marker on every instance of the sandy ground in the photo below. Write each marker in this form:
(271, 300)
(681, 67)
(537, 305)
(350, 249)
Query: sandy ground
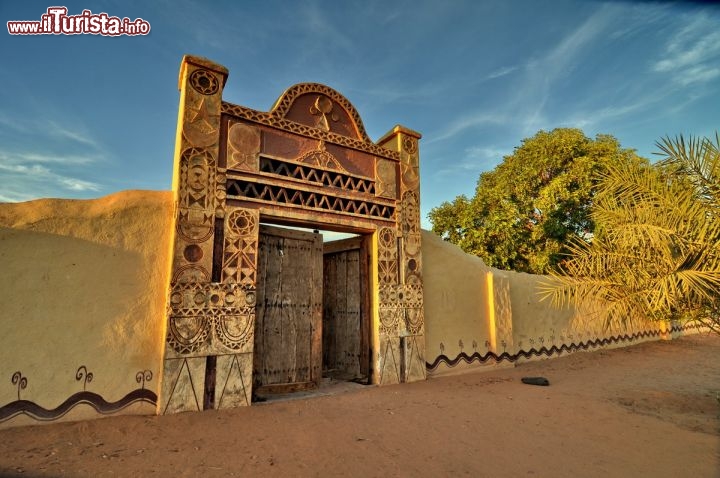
(646, 410)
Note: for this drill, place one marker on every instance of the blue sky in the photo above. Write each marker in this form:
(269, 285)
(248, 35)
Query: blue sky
(83, 116)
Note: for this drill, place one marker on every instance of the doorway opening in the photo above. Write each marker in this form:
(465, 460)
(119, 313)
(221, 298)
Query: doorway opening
(313, 312)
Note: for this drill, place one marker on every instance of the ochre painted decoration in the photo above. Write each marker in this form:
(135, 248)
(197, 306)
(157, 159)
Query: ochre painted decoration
(84, 397)
(306, 162)
(565, 347)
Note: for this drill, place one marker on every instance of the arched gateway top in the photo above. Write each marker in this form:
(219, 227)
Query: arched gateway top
(320, 106)
(306, 162)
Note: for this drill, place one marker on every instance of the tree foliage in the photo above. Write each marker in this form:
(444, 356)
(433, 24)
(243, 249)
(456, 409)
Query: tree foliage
(526, 211)
(657, 253)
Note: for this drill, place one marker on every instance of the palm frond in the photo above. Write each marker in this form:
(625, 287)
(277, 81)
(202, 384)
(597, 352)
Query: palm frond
(658, 255)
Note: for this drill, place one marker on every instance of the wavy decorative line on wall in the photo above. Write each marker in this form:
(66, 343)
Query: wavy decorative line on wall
(83, 375)
(548, 352)
(97, 402)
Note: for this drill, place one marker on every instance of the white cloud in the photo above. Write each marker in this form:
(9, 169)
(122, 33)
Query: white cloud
(501, 72)
(28, 175)
(465, 123)
(44, 158)
(536, 78)
(61, 132)
(692, 53)
(474, 160)
(75, 184)
(698, 74)
(486, 153)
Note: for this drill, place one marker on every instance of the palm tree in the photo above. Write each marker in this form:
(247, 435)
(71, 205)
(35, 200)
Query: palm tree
(656, 252)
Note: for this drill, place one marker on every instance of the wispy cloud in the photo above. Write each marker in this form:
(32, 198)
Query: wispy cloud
(77, 136)
(585, 119)
(467, 122)
(486, 153)
(44, 158)
(474, 160)
(51, 128)
(20, 158)
(501, 72)
(323, 29)
(692, 53)
(24, 182)
(541, 74)
(535, 79)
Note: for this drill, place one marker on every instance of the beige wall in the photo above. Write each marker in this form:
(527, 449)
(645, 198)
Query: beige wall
(84, 283)
(498, 317)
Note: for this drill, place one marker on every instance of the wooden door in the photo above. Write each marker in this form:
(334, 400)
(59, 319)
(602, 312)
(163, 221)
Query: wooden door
(288, 329)
(346, 351)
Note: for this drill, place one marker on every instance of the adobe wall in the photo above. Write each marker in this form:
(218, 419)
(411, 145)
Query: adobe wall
(83, 303)
(477, 316)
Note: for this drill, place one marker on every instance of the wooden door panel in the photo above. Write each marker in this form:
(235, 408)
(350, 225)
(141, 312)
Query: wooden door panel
(344, 340)
(288, 318)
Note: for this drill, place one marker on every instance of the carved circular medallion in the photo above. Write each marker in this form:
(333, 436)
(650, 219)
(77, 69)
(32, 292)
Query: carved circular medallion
(414, 321)
(389, 320)
(187, 333)
(204, 82)
(250, 298)
(409, 145)
(235, 330)
(241, 222)
(193, 253)
(386, 238)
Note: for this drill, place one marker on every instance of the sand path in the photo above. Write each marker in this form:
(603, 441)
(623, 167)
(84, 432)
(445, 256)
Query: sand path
(646, 410)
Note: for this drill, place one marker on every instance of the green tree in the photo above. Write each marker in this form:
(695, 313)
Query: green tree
(527, 209)
(657, 252)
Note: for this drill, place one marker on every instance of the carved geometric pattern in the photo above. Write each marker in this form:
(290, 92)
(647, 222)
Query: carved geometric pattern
(243, 147)
(183, 384)
(194, 225)
(323, 108)
(202, 120)
(407, 296)
(412, 296)
(232, 382)
(242, 223)
(409, 145)
(189, 273)
(410, 213)
(200, 311)
(197, 174)
(410, 226)
(322, 105)
(387, 256)
(414, 320)
(389, 360)
(236, 330)
(317, 176)
(239, 257)
(409, 176)
(306, 199)
(386, 179)
(239, 261)
(187, 333)
(320, 157)
(274, 120)
(204, 82)
(389, 320)
(414, 358)
(193, 298)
